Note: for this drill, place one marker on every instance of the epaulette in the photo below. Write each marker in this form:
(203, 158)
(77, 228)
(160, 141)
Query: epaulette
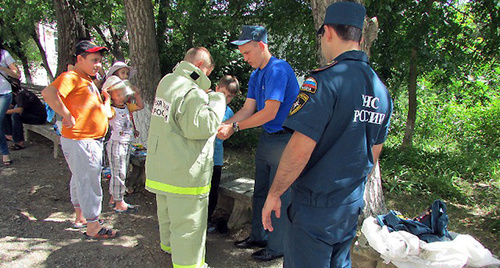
(322, 68)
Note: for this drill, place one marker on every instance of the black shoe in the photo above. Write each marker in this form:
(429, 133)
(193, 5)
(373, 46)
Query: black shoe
(250, 243)
(265, 255)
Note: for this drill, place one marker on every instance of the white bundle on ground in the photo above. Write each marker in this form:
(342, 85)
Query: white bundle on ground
(406, 250)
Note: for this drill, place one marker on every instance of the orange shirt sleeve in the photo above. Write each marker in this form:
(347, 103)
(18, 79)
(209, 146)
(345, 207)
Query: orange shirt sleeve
(66, 82)
(132, 107)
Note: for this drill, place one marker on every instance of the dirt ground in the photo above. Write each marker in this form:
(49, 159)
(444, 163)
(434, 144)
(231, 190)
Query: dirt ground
(36, 229)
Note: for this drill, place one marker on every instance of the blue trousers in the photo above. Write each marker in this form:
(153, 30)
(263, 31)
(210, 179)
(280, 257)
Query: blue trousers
(267, 159)
(13, 124)
(321, 236)
(5, 100)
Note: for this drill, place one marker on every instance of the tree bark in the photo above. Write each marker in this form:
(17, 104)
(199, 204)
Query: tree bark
(412, 80)
(70, 28)
(113, 46)
(412, 101)
(144, 56)
(374, 196)
(26, 68)
(17, 49)
(319, 9)
(370, 29)
(36, 38)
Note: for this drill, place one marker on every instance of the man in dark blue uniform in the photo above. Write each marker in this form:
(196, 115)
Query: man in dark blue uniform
(340, 120)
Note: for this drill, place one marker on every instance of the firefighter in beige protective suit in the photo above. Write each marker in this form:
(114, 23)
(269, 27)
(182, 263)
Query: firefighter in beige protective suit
(184, 121)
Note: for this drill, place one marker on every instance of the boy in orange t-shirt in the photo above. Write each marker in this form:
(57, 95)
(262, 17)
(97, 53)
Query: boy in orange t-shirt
(75, 97)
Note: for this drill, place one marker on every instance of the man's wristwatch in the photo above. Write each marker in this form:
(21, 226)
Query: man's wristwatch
(236, 128)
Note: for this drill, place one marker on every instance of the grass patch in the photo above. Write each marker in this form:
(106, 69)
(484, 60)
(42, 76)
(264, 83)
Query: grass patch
(464, 176)
(239, 161)
(467, 180)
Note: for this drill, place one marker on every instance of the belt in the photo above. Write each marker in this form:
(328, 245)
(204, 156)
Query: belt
(283, 131)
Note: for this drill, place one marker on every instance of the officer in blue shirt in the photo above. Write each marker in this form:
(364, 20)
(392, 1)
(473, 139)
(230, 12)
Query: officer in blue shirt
(340, 121)
(272, 90)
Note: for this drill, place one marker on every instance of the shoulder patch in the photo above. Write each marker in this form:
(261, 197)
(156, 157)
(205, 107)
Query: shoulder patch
(302, 98)
(309, 85)
(322, 68)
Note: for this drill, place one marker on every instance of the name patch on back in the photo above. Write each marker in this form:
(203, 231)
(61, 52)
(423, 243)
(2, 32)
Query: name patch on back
(367, 115)
(161, 108)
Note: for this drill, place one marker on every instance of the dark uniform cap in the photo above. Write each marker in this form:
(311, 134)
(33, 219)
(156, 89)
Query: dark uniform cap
(87, 46)
(345, 13)
(251, 33)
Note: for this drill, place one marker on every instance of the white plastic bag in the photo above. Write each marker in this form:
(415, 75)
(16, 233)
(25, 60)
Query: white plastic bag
(405, 250)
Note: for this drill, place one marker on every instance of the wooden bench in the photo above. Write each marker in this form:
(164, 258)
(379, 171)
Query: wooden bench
(46, 130)
(235, 195)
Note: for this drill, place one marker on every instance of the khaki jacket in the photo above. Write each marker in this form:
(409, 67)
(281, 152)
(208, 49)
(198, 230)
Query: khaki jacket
(184, 122)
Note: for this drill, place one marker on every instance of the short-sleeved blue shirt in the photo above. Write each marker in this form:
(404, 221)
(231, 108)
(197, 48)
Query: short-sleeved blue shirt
(346, 109)
(276, 81)
(218, 147)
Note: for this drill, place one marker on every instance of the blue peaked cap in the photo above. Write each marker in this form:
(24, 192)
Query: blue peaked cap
(345, 13)
(251, 33)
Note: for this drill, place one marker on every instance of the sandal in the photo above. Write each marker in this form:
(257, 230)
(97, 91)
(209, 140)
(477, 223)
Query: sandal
(79, 225)
(102, 234)
(130, 209)
(7, 163)
(16, 147)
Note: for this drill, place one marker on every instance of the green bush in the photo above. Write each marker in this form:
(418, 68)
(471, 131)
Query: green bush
(244, 139)
(455, 147)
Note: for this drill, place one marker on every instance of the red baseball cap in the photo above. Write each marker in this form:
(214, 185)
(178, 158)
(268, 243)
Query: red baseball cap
(87, 46)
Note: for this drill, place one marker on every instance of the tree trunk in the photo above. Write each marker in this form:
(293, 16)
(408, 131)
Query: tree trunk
(412, 101)
(70, 28)
(319, 9)
(113, 46)
(36, 38)
(17, 49)
(370, 29)
(26, 68)
(144, 56)
(374, 196)
(370, 32)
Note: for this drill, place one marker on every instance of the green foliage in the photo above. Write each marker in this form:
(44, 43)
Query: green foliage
(453, 37)
(457, 139)
(215, 23)
(18, 20)
(293, 37)
(246, 139)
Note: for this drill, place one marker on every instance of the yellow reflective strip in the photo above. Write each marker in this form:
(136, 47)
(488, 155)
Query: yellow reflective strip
(166, 249)
(176, 189)
(199, 265)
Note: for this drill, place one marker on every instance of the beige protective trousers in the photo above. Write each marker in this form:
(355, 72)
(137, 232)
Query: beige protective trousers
(183, 228)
